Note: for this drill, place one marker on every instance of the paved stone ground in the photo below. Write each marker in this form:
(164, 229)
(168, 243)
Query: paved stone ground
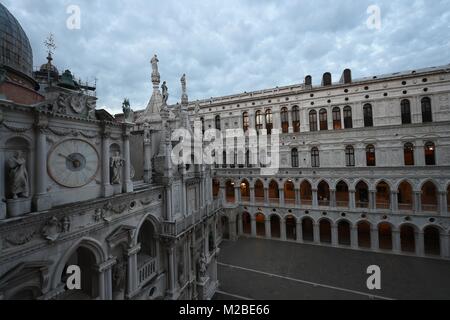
(273, 270)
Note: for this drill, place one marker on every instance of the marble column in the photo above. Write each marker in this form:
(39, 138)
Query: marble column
(396, 241)
(315, 198)
(299, 231)
(420, 244)
(2, 188)
(41, 200)
(105, 279)
(443, 204)
(333, 203)
(282, 200)
(372, 199)
(394, 201)
(107, 189)
(418, 202)
(316, 229)
(171, 272)
(266, 196)
(253, 224)
(334, 236)
(374, 239)
(352, 200)
(354, 237)
(237, 194)
(268, 228)
(240, 225)
(147, 155)
(298, 201)
(127, 183)
(290, 118)
(445, 246)
(252, 195)
(283, 229)
(132, 274)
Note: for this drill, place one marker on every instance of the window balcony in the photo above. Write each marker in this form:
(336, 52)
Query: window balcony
(147, 269)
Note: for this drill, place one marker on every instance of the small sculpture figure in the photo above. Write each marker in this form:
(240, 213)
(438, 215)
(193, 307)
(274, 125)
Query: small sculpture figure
(66, 224)
(154, 63)
(165, 93)
(202, 264)
(127, 112)
(116, 165)
(119, 273)
(197, 108)
(183, 83)
(18, 176)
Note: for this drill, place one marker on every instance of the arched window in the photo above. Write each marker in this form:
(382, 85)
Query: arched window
(408, 152)
(348, 117)
(315, 158)
(323, 120)
(368, 116)
(313, 120)
(245, 121)
(294, 158)
(430, 154)
(269, 121)
(285, 120)
(337, 121)
(350, 156)
(218, 124)
(371, 156)
(259, 120)
(296, 118)
(406, 111)
(427, 112)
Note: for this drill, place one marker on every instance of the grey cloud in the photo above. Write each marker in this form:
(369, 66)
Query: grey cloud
(234, 46)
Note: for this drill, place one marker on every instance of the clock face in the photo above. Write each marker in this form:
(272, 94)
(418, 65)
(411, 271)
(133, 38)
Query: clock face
(73, 163)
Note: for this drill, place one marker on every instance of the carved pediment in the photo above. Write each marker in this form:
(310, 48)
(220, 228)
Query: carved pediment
(121, 235)
(36, 272)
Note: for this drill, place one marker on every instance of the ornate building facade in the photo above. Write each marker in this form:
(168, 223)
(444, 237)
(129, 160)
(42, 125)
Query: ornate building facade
(364, 164)
(79, 187)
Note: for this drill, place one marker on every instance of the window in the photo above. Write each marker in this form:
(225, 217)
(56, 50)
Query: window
(294, 158)
(269, 121)
(259, 120)
(348, 117)
(409, 154)
(337, 123)
(218, 124)
(245, 122)
(427, 113)
(371, 156)
(203, 125)
(296, 118)
(285, 120)
(430, 154)
(323, 120)
(368, 116)
(315, 158)
(350, 156)
(313, 120)
(406, 111)
(247, 159)
(224, 160)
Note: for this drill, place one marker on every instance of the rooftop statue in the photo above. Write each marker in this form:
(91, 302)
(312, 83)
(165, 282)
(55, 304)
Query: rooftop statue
(154, 63)
(127, 111)
(165, 93)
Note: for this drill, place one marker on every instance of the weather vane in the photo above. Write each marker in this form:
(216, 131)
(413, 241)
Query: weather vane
(50, 44)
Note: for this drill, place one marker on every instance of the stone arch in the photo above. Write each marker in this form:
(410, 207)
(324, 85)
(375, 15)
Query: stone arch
(383, 194)
(405, 195)
(260, 219)
(289, 192)
(94, 246)
(324, 193)
(344, 227)
(429, 196)
(342, 194)
(229, 191)
(259, 191)
(275, 226)
(153, 220)
(325, 226)
(408, 233)
(274, 191)
(308, 229)
(432, 239)
(245, 190)
(385, 235)
(246, 223)
(291, 227)
(362, 190)
(364, 233)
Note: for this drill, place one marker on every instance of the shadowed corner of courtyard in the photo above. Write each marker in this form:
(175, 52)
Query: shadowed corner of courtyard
(274, 270)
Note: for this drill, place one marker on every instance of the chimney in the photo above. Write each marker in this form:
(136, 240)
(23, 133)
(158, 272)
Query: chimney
(346, 77)
(327, 80)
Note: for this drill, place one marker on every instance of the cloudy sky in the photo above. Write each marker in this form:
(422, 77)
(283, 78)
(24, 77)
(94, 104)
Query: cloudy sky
(232, 46)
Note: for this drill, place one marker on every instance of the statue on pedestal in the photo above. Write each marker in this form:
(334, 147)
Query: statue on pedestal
(18, 176)
(117, 163)
(165, 93)
(154, 63)
(202, 266)
(127, 111)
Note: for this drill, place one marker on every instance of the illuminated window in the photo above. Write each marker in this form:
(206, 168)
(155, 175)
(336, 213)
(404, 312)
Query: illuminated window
(371, 156)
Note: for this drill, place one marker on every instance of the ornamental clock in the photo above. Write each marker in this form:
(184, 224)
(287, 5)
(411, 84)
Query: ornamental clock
(73, 163)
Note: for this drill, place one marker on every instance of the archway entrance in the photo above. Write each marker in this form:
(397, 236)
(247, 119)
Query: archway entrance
(364, 236)
(246, 223)
(385, 236)
(432, 237)
(344, 233)
(408, 238)
(225, 228)
(325, 231)
(260, 225)
(308, 230)
(275, 226)
(291, 228)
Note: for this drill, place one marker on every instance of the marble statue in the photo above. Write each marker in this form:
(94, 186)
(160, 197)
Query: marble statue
(183, 83)
(154, 63)
(165, 93)
(202, 266)
(197, 108)
(18, 174)
(119, 274)
(116, 165)
(127, 111)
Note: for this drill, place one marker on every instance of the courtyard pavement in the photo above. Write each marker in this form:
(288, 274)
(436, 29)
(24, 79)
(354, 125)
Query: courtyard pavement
(257, 269)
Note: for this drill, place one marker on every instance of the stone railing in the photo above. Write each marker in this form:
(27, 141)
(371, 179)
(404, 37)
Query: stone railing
(147, 272)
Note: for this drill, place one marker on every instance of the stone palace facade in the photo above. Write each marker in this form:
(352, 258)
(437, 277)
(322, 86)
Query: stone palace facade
(79, 187)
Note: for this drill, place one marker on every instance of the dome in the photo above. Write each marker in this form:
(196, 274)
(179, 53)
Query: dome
(15, 48)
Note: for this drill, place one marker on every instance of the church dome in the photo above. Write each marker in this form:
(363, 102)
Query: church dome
(15, 48)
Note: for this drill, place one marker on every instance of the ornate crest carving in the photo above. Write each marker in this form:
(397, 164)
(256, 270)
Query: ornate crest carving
(52, 229)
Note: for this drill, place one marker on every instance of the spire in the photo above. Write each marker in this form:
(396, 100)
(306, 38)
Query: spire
(156, 101)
